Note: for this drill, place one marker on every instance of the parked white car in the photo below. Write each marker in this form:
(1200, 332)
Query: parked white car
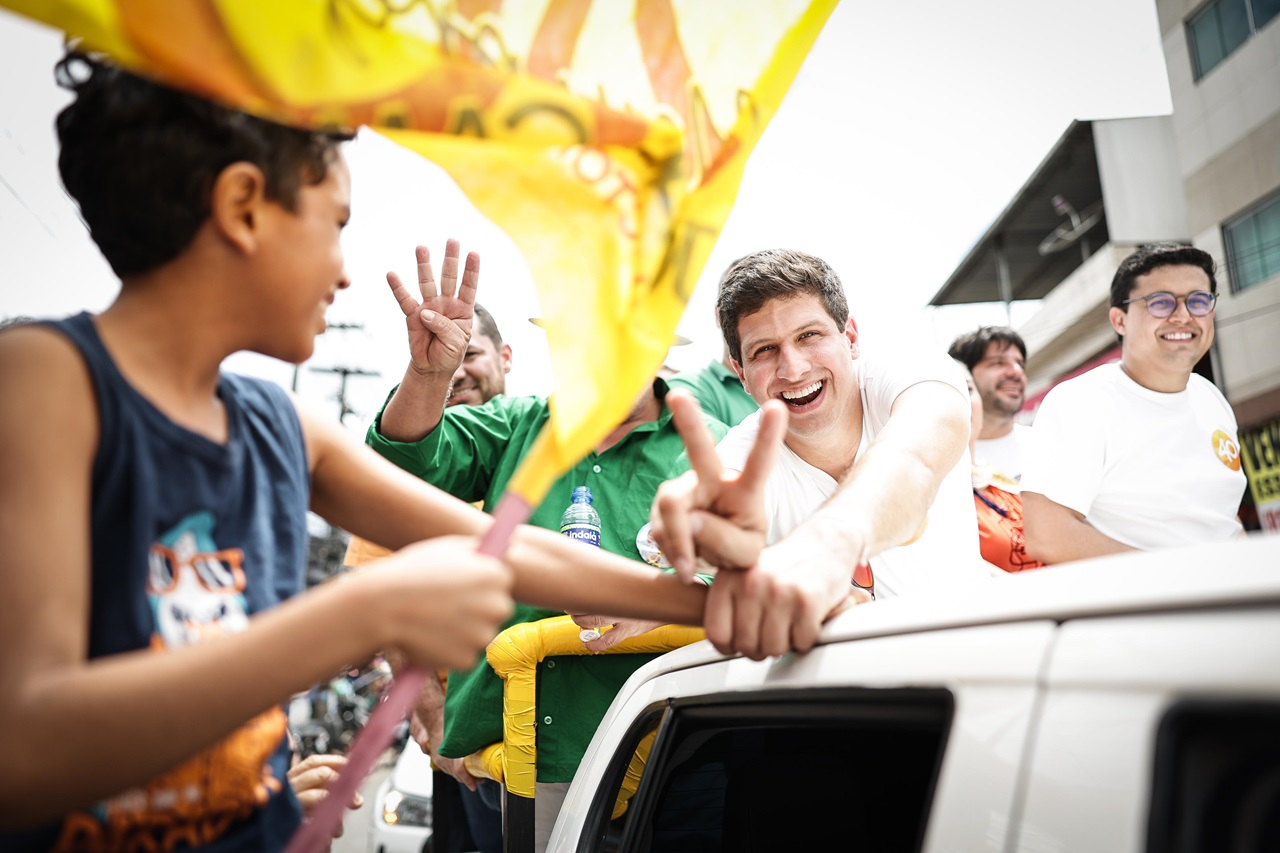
(401, 820)
(1124, 704)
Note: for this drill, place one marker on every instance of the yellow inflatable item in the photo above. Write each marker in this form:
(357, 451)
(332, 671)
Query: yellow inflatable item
(514, 655)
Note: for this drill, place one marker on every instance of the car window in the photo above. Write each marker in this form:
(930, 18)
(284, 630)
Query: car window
(783, 771)
(1216, 778)
(612, 807)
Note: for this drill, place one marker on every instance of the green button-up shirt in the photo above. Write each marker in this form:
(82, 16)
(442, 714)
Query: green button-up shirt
(719, 391)
(472, 455)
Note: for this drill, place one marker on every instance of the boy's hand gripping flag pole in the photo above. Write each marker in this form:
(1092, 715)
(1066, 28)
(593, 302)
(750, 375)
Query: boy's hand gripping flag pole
(398, 703)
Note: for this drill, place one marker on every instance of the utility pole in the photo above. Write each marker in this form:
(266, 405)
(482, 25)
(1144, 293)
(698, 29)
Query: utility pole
(344, 371)
(329, 327)
(341, 370)
(326, 551)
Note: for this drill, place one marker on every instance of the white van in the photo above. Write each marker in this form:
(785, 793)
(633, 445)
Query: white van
(1123, 704)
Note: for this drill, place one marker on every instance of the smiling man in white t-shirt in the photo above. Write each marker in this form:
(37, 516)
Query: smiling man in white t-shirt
(1142, 454)
(871, 483)
(997, 359)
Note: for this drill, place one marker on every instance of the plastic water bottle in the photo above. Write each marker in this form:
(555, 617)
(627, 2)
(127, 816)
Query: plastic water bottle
(580, 521)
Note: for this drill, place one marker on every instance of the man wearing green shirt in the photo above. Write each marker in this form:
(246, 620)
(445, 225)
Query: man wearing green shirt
(718, 391)
(717, 387)
(471, 452)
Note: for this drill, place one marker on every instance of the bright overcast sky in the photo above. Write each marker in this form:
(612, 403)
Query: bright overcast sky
(908, 129)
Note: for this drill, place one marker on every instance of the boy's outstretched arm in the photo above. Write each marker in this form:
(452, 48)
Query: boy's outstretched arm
(356, 489)
(75, 730)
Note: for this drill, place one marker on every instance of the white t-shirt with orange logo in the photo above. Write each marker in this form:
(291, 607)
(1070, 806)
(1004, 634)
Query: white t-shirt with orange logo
(1149, 469)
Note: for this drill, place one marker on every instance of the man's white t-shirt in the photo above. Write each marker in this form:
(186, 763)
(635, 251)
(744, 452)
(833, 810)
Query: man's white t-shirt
(1146, 468)
(1003, 456)
(946, 555)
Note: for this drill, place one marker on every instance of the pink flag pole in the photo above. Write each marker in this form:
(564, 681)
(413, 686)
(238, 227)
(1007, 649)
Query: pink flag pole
(373, 740)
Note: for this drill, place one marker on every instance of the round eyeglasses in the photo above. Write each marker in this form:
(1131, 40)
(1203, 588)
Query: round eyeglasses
(1161, 304)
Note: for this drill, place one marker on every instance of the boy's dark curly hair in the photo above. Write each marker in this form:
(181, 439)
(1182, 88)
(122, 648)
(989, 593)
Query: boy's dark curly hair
(141, 159)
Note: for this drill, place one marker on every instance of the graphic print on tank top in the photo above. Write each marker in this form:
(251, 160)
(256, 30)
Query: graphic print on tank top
(196, 593)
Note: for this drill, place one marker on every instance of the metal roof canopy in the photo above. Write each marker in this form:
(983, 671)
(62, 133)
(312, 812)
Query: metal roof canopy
(1070, 170)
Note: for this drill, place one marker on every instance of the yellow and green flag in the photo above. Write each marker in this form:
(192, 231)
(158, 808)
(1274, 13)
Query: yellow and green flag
(607, 138)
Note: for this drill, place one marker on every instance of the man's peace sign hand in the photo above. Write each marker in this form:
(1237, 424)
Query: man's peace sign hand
(709, 512)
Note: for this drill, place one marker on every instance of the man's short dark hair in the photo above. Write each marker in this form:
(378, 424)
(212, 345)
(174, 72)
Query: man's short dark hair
(971, 348)
(759, 278)
(1153, 256)
(485, 325)
(141, 159)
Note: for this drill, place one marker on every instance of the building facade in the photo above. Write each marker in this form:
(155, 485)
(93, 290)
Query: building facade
(1209, 175)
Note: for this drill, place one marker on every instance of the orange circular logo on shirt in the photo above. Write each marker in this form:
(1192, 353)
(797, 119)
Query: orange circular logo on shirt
(1226, 449)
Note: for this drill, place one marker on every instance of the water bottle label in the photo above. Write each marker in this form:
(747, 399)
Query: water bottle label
(588, 533)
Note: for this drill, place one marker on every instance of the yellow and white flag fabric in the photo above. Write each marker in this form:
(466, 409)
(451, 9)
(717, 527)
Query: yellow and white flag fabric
(607, 138)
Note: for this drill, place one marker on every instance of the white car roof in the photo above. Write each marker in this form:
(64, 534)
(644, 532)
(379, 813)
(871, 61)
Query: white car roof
(1240, 573)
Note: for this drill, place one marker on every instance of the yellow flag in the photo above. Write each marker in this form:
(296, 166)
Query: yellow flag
(608, 139)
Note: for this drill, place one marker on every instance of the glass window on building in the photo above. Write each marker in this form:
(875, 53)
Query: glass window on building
(1216, 31)
(1253, 245)
(1264, 11)
(1222, 26)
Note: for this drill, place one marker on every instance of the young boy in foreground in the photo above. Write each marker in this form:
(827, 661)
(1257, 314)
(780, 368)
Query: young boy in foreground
(152, 508)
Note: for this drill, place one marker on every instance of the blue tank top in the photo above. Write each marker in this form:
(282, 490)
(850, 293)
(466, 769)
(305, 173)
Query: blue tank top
(190, 538)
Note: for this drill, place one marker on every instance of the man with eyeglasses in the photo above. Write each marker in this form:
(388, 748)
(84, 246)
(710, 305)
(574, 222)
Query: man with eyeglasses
(1142, 454)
